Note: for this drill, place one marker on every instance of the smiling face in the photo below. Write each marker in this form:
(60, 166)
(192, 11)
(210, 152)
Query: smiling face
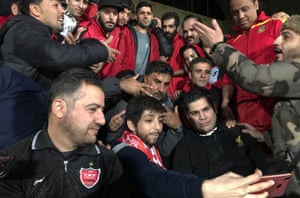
(148, 127)
(202, 115)
(288, 42)
(83, 119)
(199, 74)
(77, 7)
(50, 13)
(188, 55)
(244, 12)
(190, 35)
(107, 17)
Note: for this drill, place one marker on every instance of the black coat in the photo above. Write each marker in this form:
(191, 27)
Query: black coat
(27, 46)
(42, 171)
(224, 150)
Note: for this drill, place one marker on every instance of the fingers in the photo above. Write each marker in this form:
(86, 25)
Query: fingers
(70, 39)
(109, 40)
(121, 113)
(216, 25)
(166, 107)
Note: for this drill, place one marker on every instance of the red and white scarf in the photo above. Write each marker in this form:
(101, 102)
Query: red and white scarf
(152, 152)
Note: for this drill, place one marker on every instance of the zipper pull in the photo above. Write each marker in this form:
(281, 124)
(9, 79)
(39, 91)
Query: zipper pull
(66, 165)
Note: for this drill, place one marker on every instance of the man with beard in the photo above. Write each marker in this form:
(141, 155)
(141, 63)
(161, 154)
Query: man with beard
(101, 28)
(62, 159)
(170, 23)
(141, 45)
(157, 76)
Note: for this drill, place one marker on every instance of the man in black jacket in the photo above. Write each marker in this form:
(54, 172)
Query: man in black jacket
(210, 149)
(27, 45)
(62, 159)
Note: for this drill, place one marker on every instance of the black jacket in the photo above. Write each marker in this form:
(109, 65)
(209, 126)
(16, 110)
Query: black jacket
(224, 150)
(42, 171)
(27, 46)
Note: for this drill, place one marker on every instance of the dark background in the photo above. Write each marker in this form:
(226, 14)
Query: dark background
(219, 8)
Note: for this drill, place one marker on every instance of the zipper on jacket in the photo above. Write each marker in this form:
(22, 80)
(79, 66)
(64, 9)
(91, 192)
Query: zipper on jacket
(66, 165)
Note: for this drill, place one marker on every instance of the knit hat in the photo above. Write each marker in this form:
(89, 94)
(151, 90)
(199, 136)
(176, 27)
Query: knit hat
(110, 3)
(292, 23)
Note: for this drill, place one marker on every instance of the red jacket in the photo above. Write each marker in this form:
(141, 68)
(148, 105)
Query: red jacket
(180, 82)
(128, 48)
(257, 45)
(94, 30)
(3, 19)
(176, 62)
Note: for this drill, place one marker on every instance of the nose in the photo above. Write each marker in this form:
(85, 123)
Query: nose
(241, 14)
(61, 9)
(99, 117)
(277, 41)
(201, 115)
(81, 4)
(203, 74)
(161, 87)
(158, 126)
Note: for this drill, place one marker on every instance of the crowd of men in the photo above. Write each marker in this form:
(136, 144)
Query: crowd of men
(102, 98)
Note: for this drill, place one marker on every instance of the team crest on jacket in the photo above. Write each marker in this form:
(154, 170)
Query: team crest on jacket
(261, 29)
(89, 177)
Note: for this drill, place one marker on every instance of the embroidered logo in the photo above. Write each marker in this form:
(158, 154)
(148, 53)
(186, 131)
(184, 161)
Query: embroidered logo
(89, 177)
(261, 29)
(239, 141)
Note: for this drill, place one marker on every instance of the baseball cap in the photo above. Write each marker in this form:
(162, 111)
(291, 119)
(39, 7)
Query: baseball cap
(110, 3)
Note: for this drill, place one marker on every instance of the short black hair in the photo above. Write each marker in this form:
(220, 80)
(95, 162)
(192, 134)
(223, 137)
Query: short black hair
(190, 16)
(193, 95)
(186, 47)
(159, 67)
(127, 4)
(138, 104)
(142, 4)
(24, 5)
(199, 60)
(171, 15)
(68, 83)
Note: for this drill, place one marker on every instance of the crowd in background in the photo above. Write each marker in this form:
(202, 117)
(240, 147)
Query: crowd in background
(106, 97)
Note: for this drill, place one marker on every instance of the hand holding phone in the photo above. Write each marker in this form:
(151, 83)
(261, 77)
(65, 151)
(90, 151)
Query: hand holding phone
(281, 183)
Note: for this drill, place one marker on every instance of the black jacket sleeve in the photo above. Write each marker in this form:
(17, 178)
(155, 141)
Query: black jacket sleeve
(37, 48)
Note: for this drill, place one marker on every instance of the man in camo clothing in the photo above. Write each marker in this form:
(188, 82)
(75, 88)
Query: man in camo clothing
(279, 79)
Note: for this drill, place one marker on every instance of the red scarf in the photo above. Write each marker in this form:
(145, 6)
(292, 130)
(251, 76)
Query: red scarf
(151, 152)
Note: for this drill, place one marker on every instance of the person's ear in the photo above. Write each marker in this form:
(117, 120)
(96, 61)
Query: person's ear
(35, 10)
(131, 126)
(59, 108)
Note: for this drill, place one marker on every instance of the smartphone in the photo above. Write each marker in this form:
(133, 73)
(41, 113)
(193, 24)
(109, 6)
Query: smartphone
(281, 183)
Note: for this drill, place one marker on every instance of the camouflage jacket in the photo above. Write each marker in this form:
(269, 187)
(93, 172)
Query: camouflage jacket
(279, 79)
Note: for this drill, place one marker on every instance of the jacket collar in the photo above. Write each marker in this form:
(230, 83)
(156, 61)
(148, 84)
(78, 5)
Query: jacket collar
(42, 141)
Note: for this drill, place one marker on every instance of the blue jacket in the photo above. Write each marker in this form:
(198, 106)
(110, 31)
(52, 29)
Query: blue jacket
(22, 106)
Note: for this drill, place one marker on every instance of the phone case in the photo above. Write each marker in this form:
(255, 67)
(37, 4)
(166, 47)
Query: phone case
(281, 183)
